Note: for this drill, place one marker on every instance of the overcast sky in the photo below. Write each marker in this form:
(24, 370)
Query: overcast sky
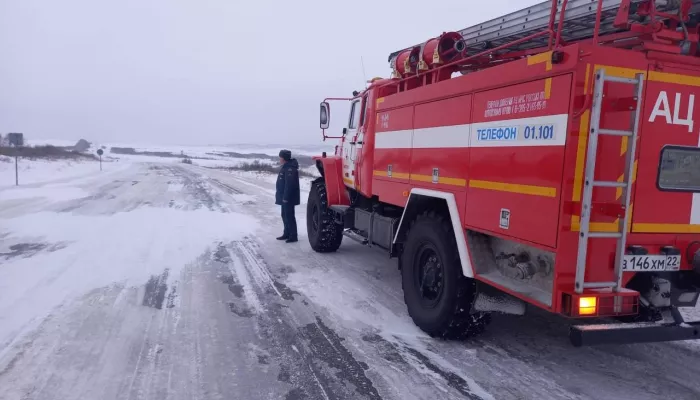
(202, 71)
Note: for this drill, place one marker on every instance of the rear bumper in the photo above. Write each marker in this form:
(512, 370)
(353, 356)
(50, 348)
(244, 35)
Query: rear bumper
(624, 333)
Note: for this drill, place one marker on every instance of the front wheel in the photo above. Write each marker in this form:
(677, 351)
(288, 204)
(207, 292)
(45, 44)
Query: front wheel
(325, 235)
(438, 296)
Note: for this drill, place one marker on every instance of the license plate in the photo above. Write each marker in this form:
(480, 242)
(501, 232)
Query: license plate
(651, 263)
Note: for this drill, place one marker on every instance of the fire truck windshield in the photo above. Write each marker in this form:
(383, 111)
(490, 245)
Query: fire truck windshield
(679, 169)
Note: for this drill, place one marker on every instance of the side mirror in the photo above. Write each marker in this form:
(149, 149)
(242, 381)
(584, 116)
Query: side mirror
(325, 115)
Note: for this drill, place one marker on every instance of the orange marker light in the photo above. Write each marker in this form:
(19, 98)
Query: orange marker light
(587, 305)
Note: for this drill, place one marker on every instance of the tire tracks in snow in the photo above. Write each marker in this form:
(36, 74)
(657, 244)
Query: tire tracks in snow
(400, 353)
(197, 186)
(312, 357)
(154, 353)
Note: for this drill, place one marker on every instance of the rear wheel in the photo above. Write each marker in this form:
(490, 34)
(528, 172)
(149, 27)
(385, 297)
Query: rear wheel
(325, 235)
(438, 296)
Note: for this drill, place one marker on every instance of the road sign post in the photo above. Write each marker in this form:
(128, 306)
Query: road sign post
(99, 153)
(16, 140)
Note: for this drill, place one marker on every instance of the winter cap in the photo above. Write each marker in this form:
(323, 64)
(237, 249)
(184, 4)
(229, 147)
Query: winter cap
(285, 154)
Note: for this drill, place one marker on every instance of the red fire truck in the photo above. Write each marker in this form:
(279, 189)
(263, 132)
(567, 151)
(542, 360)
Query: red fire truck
(548, 157)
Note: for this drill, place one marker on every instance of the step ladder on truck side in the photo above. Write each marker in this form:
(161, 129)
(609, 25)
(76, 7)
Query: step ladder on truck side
(590, 182)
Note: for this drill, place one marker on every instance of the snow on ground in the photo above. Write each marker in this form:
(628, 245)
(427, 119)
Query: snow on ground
(311, 150)
(50, 142)
(205, 156)
(272, 150)
(200, 151)
(215, 162)
(271, 179)
(40, 171)
(157, 279)
(53, 192)
(125, 248)
(228, 162)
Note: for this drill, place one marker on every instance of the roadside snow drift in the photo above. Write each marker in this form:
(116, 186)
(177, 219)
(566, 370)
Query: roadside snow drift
(41, 171)
(78, 253)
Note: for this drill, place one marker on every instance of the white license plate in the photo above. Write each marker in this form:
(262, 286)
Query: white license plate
(651, 263)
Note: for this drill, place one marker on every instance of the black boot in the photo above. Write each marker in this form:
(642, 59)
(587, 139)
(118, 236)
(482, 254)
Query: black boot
(291, 240)
(283, 237)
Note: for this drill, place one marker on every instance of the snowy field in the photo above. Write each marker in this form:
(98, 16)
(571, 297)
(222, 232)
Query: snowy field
(155, 279)
(307, 150)
(221, 157)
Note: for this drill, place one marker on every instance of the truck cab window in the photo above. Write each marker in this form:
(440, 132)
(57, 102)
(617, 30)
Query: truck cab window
(363, 118)
(355, 114)
(679, 169)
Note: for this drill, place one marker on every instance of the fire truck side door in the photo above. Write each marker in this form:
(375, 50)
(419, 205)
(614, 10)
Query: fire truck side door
(360, 142)
(350, 143)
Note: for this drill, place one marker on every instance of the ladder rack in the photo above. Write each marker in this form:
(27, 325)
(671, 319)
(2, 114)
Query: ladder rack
(579, 24)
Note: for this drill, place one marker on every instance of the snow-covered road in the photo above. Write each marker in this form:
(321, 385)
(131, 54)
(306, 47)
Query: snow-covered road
(165, 281)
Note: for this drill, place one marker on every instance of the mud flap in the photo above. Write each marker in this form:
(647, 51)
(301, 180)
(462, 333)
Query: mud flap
(648, 332)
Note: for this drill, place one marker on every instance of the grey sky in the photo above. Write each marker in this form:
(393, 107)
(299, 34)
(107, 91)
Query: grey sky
(202, 71)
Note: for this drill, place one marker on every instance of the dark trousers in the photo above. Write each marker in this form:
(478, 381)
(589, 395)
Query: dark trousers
(289, 221)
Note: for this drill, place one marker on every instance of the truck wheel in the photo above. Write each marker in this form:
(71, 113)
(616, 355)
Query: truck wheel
(438, 296)
(324, 233)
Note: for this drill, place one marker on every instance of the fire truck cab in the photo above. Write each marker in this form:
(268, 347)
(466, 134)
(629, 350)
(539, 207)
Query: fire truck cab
(549, 157)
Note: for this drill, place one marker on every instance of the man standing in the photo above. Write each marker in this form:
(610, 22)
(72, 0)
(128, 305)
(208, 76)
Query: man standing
(287, 194)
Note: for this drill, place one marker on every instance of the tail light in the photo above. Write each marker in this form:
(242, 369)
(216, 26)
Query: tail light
(587, 305)
(600, 304)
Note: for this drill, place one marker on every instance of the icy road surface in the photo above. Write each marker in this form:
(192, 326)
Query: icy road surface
(165, 282)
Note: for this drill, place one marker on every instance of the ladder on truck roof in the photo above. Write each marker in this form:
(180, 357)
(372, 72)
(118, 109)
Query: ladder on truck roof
(590, 183)
(579, 23)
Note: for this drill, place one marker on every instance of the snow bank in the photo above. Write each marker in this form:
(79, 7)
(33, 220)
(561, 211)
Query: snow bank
(134, 158)
(227, 162)
(310, 150)
(41, 171)
(270, 179)
(51, 142)
(55, 193)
